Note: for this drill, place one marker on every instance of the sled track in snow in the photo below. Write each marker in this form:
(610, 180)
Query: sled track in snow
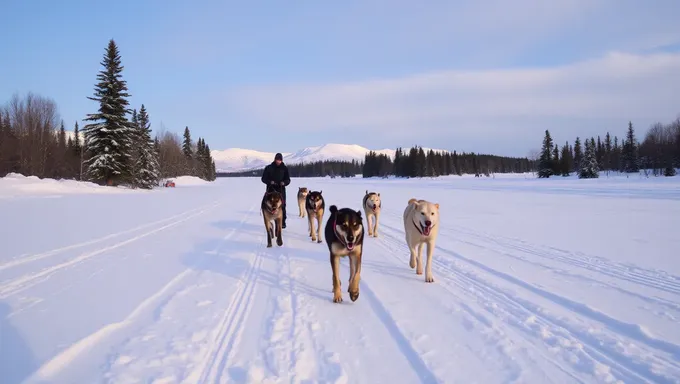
(597, 349)
(20, 260)
(29, 280)
(70, 354)
(654, 279)
(230, 327)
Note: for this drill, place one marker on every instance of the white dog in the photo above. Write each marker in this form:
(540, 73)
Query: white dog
(421, 226)
(372, 206)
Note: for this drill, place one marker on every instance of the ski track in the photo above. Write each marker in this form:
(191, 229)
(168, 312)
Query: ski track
(601, 350)
(153, 304)
(23, 259)
(226, 335)
(293, 348)
(24, 282)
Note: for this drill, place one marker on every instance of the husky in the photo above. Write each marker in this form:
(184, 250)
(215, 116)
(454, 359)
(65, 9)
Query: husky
(272, 202)
(315, 207)
(372, 206)
(421, 226)
(344, 234)
(302, 197)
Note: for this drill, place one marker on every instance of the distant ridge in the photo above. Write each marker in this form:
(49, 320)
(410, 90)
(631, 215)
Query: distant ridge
(240, 159)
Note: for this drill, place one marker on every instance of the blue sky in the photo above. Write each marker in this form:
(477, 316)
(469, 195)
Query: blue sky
(484, 76)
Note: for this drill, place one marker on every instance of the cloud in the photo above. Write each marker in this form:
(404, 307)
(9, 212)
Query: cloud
(615, 86)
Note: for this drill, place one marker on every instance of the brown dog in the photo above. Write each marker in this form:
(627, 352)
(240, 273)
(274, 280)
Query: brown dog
(301, 199)
(271, 211)
(344, 234)
(315, 206)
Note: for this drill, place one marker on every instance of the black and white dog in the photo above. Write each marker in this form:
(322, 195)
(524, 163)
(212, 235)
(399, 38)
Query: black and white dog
(344, 235)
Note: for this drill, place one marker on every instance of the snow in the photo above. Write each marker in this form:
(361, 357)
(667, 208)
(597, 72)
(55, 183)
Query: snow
(185, 181)
(536, 281)
(18, 186)
(239, 159)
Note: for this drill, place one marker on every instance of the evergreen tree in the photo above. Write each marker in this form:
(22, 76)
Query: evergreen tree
(578, 155)
(566, 160)
(629, 154)
(589, 168)
(187, 149)
(557, 169)
(545, 162)
(147, 167)
(607, 152)
(109, 136)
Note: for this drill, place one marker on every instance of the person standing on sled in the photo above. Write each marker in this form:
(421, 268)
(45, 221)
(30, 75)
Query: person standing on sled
(276, 177)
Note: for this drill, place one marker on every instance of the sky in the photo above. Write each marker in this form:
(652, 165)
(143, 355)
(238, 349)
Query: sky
(485, 76)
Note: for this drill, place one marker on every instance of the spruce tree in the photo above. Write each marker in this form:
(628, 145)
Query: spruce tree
(109, 136)
(188, 152)
(589, 168)
(607, 153)
(147, 167)
(578, 155)
(565, 161)
(556, 160)
(629, 155)
(545, 161)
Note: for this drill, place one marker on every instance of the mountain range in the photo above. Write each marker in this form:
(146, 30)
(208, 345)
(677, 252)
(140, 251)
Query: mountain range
(239, 159)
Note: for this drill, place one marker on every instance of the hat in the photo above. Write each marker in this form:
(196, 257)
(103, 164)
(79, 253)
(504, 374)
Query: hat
(278, 157)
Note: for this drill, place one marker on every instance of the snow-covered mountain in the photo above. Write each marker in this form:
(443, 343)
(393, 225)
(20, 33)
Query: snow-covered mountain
(239, 159)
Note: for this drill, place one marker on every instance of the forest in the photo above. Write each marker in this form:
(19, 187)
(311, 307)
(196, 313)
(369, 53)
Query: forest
(657, 154)
(114, 145)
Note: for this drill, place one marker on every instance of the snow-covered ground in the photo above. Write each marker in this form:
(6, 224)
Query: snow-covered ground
(537, 281)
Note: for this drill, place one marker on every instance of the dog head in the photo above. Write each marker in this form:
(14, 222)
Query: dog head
(348, 226)
(302, 192)
(315, 199)
(373, 201)
(425, 215)
(273, 201)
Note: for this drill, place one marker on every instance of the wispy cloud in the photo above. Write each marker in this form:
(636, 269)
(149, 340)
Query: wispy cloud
(455, 104)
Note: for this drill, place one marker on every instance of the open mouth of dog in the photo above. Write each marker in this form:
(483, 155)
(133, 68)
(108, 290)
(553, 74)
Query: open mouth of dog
(350, 245)
(375, 207)
(425, 229)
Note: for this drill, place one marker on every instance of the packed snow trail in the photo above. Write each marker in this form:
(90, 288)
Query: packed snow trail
(177, 286)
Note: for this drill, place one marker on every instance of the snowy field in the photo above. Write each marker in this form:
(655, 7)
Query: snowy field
(536, 281)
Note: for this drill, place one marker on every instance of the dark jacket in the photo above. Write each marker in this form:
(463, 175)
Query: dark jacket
(277, 174)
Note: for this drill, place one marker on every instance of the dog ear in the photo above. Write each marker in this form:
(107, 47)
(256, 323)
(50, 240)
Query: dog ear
(320, 192)
(359, 213)
(367, 192)
(436, 205)
(333, 209)
(378, 194)
(412, 201)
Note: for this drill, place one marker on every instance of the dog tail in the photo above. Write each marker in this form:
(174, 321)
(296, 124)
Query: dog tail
(333, 209)
(412, 200)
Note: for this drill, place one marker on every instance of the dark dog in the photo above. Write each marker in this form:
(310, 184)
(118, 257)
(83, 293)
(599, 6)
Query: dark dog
(272, 203)
(315, 207)
(345, 237)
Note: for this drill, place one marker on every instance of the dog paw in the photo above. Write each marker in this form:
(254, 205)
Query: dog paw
(429, 279)
(269, 245)
(279, 242)
(353, 295)
(419, 271)
(337, 297)
(412, 263)
(318, 241)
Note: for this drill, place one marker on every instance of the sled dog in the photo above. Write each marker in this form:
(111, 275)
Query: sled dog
(302, 197)
(421, 226)
(344, 234)
(315, 206)
(372, 206)
(272, 203)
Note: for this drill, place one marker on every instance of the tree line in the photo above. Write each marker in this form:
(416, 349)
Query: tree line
(322, 168)
(659, 152)
(417, 162)
(114, 147)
